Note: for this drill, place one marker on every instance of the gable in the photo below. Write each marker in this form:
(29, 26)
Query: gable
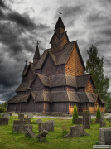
(74, 65)
(48, 67)
(89, 87)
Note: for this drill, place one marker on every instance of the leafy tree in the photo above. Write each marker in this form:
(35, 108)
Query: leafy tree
(75, 114)
(94, 66)
(3, 107)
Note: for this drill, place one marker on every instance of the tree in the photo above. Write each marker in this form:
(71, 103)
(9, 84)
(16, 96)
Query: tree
(98, 113)
(75, 114)
(94, 66)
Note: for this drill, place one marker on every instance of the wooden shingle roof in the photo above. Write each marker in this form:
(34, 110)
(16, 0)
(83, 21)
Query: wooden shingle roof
(60, 57)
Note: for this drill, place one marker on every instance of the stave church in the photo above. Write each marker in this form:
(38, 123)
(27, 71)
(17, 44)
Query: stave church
(56, 80)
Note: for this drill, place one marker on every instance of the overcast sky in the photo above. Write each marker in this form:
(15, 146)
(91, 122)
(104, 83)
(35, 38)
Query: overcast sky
(23, 22)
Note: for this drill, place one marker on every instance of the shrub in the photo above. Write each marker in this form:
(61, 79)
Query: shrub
(75, 114)
(98, 113)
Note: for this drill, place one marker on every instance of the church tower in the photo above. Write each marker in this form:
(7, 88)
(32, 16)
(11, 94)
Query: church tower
(60, 38)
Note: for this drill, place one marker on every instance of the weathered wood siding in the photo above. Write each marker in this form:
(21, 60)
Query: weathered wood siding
(89, 87)
(60, 107)
(74, 66)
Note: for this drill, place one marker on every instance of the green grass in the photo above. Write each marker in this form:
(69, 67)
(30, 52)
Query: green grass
(55, 140)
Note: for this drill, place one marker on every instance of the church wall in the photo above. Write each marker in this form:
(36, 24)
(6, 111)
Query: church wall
(60, 107)
(11, 107)
(73, 66)
(89, 87)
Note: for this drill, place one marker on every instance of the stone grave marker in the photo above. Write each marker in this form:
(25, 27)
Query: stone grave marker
(42, 135)
(78, 121)
(49, 126)
(109, 119)
(20, 126)
(29, 133)
(101, 121)
(38, 121)
(3, 121)
(29, 115)
(76, 131)
(5, 115)
(21, 116)
(86, 119)
(105, 136)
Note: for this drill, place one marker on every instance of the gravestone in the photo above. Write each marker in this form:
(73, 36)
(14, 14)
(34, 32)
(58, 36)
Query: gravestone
(109, 119)
(101, 121)
(27, 120)
(49, 126)
(78, 121)
(20, 126)
(86, 119)
(42, 135)
(38, 121)
(21, 116)
(29, 115)
(10, 113)
(29, 133)
(76, 131)
(105, 136)
(3, 121)
(5, 115)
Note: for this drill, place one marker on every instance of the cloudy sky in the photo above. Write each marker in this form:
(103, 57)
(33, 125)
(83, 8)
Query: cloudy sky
(23, 22)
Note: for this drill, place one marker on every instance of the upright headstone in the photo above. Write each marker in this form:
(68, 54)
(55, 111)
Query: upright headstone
(86, 119)
(109, 119)
(21, 116)
(29, 115)
(5, 115)
(76, 131)
(78, 121)
(49, 126)
(38, 121)
(101, 121)
(105, 136)
(20, 126)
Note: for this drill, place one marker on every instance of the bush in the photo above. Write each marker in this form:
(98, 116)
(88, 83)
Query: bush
(98, 113)
(75, 114)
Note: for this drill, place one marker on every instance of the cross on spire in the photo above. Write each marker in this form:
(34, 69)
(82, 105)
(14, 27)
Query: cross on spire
(37, 43)
(26, 62)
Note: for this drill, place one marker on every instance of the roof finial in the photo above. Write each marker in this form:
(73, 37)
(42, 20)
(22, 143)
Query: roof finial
(37, 43)
(26, 62)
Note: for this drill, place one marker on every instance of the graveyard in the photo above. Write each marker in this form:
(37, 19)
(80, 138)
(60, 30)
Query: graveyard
(56, 137)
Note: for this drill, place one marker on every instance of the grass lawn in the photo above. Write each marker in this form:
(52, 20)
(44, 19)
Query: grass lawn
(55, 140)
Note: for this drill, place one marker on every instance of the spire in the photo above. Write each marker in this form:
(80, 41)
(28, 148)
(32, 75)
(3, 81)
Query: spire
(37, 53)
(59, 24)
(60, 38)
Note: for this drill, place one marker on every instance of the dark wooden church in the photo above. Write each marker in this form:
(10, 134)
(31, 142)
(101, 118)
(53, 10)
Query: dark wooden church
(56, 80)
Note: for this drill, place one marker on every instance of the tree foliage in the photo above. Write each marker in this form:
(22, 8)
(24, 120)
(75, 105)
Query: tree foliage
(75, 114)
(98, 113)
(95, 67)
(3, 107)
